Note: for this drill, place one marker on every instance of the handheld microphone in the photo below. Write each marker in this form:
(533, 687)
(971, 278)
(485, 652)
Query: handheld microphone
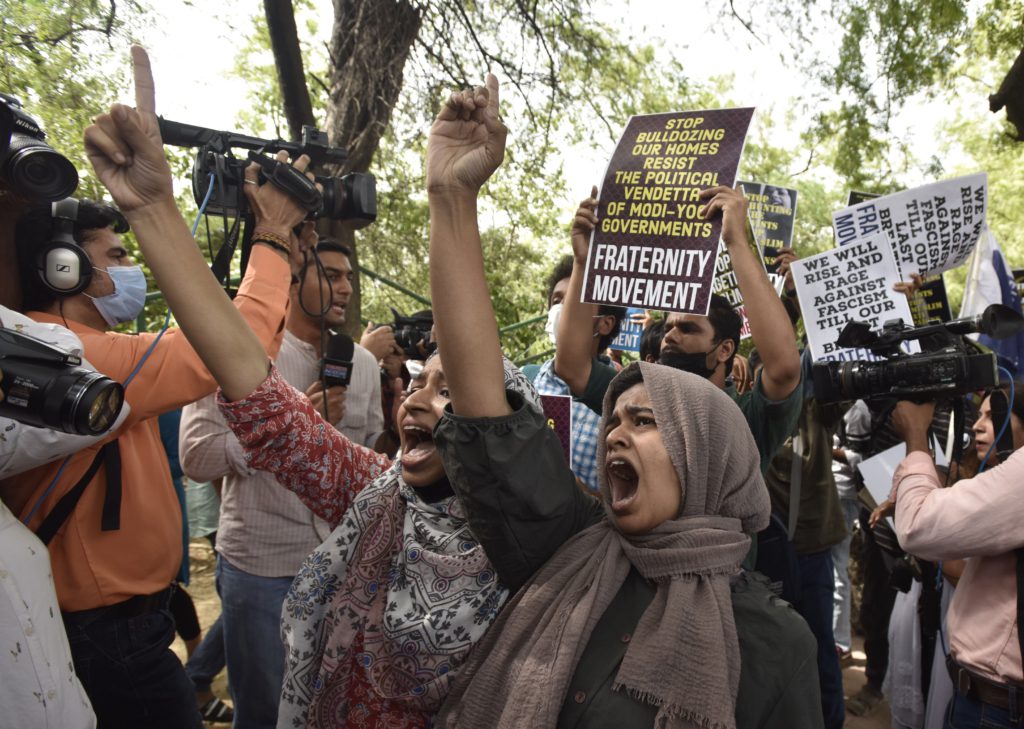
(336, 368)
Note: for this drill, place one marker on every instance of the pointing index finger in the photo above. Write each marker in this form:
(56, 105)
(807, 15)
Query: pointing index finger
(145, 92)
(492, 94)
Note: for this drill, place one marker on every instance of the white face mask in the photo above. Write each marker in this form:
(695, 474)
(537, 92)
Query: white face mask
(551, 328)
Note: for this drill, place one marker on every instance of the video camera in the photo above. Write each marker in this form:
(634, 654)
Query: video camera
(412, 332)
(351, 197)
(952, 365)
(28, 165)
(47, 387)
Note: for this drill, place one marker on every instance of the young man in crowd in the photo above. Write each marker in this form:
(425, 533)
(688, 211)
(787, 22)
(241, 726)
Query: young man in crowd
(603, 328)
(265, 531)
(116, 551)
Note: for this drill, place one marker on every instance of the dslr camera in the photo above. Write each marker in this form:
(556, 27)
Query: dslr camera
(28, 165)
(950, 365)
(218, 175)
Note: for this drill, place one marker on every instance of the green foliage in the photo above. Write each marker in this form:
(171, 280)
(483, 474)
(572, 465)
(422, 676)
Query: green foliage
(65, 60)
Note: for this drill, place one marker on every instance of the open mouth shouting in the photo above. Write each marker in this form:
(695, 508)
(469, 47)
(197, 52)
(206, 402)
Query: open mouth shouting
(418, 445)
(623, 483)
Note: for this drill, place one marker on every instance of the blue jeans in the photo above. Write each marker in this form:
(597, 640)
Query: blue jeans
(208, 658)
(251, 611)
(817, 582)
(130, 674)
(841, 564)
(967, 713)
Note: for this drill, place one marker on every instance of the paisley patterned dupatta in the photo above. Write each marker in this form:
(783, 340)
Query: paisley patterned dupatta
(394, 599)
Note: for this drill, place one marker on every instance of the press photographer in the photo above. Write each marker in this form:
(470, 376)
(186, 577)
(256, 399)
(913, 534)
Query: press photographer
(979, 518)
(44, 381)
(116, 550)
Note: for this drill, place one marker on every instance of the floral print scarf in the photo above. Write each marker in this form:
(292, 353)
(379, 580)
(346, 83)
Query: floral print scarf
(394, 599)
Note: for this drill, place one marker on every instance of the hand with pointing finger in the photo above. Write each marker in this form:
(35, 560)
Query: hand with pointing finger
(125, 148)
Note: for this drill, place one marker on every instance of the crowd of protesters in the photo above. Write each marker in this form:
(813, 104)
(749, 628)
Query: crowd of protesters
(414, 549)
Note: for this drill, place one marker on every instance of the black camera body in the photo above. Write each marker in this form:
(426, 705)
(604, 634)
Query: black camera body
(28, 165)
(47, 387)
(952, 365)
(412, 332)
(351, 197)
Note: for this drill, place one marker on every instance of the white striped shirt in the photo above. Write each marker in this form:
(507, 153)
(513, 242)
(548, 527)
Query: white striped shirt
(265, 529)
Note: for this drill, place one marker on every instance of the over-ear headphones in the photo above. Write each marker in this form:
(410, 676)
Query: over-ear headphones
(63, 265)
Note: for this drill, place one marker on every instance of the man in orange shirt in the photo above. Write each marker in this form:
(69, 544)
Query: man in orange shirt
(116, 550)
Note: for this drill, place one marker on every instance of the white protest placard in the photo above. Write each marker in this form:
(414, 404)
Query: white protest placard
(853, 282)
(878, 470)
(932, 228)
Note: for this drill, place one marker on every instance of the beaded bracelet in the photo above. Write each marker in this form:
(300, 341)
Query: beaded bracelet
(273, 240)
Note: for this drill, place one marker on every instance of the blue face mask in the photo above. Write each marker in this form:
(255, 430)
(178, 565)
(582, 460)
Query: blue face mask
(129, 297)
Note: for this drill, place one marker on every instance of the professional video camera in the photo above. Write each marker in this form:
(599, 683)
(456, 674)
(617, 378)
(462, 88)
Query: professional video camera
(412, 333)
(951, 365)
(352, 197)
(47, 387)
(28, 165)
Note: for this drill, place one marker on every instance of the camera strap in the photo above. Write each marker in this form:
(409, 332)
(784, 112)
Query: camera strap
(221, 265)
(111, 518)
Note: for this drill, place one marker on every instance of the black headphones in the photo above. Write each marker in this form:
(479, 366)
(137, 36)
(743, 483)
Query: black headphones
(63, 265)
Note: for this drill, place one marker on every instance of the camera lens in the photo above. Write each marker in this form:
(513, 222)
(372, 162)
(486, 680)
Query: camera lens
(35, 170)
(97, 400)
(71, 399)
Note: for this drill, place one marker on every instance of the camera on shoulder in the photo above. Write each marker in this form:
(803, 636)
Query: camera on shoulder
(950, 365)
(218, 174)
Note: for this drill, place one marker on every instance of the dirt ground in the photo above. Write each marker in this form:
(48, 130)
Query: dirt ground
(208, 606)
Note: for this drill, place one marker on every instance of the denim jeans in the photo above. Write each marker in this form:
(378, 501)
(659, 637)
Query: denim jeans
(841, 565)
(251, 612)
(817, 582)
(208, 658)
(130, 674)
(967, 713)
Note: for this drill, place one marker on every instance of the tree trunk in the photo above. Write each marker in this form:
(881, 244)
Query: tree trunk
(284, 40)
(370, 42)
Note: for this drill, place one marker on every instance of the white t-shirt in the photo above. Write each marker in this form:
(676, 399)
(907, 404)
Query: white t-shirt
(38, 687)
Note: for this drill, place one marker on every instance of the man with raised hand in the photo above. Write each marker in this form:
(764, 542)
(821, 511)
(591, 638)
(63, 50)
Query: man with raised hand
(703, 345)
(116, 552)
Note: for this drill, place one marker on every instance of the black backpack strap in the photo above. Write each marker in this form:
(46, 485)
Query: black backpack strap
(111, 519)
(111, 453)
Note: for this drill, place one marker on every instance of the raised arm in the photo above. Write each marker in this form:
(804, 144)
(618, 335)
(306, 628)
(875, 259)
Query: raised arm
(769, 324)
(126, 152)
(466, 145)
(575, 330)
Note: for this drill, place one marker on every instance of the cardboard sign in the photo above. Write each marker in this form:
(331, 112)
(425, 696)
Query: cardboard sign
(725, 284)
(853, 282)
(772, 214)
(558, 411)
(652, 248)
(936, 301)
(630, 332)
(931, 229)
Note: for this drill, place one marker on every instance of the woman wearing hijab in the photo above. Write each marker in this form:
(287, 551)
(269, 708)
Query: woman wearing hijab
(644, 618)
(389, 606)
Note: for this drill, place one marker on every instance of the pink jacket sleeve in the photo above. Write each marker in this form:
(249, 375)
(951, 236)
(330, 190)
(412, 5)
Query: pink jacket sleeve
(974, 517)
